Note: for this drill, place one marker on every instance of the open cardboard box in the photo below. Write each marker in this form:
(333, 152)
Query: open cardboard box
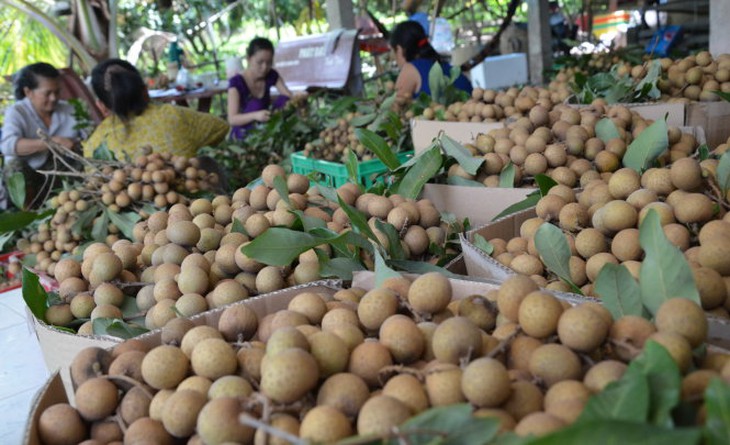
(713, 117)
(479, 264)
(57, 391)
(423, 131)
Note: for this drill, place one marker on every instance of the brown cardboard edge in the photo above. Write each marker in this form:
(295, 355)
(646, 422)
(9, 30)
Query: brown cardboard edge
(463, 132)
(51, 393)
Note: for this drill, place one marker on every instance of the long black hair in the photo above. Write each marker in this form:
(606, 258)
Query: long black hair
(259, 44)
(28, 76)
(411, 36)
(120, 87)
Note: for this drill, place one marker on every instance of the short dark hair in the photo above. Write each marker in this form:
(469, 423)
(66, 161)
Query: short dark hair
(120, 87)
(410, 36)
(259, 44)
(27, 77)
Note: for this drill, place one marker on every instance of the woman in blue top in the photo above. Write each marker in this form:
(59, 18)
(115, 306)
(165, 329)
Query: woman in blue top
(249, 98)
(415, 56)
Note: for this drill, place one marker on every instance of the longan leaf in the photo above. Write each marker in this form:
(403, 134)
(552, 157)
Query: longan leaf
(555, 252)
(351, 164)
(665, 272)
(724, 96)
(606, 130)
(357, 220)
(466, 160)
(619, 291)
(420, 267)
(125, 222)
(12, 221)
(361, 121)
(278, 246)
(378, 146)
(34, 295)
(425, 167)
(626, 399)
(545, 183)
(282, 189)
(100, 229)
(382, 271)
(665, 382)
(16, 189)
(483, 244)
(395, 249)
(456, 423)
(723, 172)
(527, 203)
(116, 328)
(507, 176)
(717, 401)
(644, 150)
(604, 432)
(341, 267)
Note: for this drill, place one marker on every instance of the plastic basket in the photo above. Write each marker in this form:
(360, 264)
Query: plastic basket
(334, 174)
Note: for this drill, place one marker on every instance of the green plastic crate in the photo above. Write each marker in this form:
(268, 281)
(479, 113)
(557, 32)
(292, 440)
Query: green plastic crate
(334, 174)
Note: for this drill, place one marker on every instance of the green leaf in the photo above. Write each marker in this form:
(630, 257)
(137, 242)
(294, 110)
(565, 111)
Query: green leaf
(717, 401)
(377, 145)
(703, 152)
(360, 121)
(665, 272)
(619, 291)
(125, 222)
(724, 96)
(129, 307)
(103, 153)
(527, 203)
(237, 227)
(469, 163)
(665, 382)
(116, 328)
(309, 222)
(455, 422)
(612, 432)
(16, 189)
(555, 252)
(12, 221)
(420, 267)
(341, 268)
(282, 189)
(395, 249)
(101, 227)
(382, 271)
(606, 130)
(357, 220)
(458, 180)
(625, 399)
(34, 295)
(328, 192)
(436, 82)
(278, 246)
(723, 171)
(644, 150)
(4, 238)
(84, 218)
(545, 183)
(483, 244)
(428, 164)
(351, 163)
(507, 176)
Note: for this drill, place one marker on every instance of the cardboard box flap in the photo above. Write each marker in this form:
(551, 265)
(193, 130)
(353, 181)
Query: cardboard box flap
(423, 131)
(479, 204)
(713, 117)
(50, 394)
(674, 111)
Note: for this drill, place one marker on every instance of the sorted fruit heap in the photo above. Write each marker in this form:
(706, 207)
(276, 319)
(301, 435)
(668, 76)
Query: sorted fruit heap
(189, 259)
(112, 196)
(494, 106)
(357, 362)
(563, 143)
(601, 224)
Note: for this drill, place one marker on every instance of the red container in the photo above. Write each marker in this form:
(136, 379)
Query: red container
(9, 280)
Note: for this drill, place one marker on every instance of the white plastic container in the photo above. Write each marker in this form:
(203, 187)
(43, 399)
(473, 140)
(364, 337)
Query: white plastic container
(500, 71)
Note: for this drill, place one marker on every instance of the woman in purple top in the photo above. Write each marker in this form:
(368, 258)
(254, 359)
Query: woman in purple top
(249, 96)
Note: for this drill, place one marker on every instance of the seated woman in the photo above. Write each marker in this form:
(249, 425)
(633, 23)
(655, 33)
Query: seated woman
(38, 107)
(249, 95)
(131, 122)
(415, 56)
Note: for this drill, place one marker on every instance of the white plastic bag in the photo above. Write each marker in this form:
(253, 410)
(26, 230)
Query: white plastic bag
(442, 39)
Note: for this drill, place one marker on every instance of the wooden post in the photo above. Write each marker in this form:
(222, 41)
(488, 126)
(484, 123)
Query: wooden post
(340, 14)
(539, 40)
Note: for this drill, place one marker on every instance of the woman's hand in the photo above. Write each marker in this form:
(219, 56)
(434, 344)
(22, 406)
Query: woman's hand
(67, 143)
(262, 116)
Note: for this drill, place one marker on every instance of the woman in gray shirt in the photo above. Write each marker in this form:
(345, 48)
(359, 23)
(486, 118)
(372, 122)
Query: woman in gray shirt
(37, 91)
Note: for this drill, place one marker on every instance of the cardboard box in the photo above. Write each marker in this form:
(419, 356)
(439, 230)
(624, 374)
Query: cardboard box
(479, 204)
(500, 71)
(713, 117)
(480, 265)
(60, 347)
(423, 131)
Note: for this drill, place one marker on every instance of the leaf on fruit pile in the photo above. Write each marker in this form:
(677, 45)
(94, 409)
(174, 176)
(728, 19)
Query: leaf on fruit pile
(625, 399)
(278, 246)
(717, 401)
(420, 267)
(116, 328)
(12, 221)
(341, 267)
(237, 227)
(545, 183)
(483, 245)
(665, 272)
(382, 271)
(619, 291)
(425, 167)
(606, 130)
(125, 222)
(378, 146)
(395, 249)
(357, 220)
(351, 164)
(664, 379)
(282, 189)
(466, 160)
(361, 121)
(456, 423)
(527, 203)
(35, 297)
(723, 172)
(555, 253)
(507, 176)
(619, 432)
(644, 150)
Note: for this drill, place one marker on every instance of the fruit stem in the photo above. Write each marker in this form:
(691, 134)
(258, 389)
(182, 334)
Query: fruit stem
(131, 381)
(246, 419)
(502, 346)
